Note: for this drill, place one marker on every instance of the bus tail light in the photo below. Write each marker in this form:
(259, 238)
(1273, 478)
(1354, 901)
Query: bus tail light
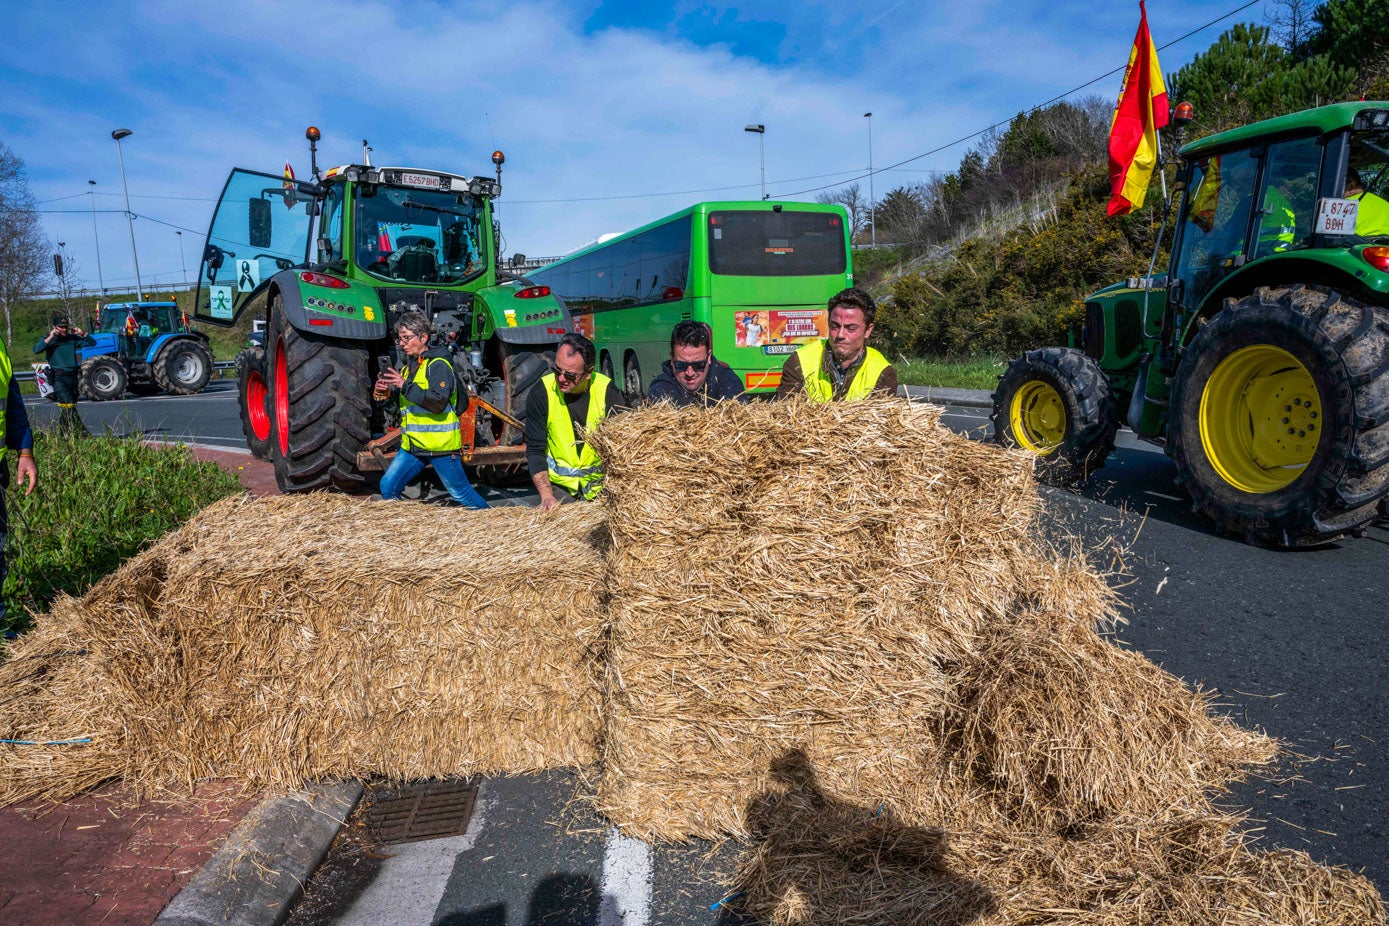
(672, 292)
(533, 292)
(322, 279)
(1377, 257)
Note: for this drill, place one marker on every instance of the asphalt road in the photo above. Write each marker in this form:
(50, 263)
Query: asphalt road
(1293, 642)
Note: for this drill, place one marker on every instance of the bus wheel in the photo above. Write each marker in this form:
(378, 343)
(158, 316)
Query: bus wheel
(631, 380)
(605, 365)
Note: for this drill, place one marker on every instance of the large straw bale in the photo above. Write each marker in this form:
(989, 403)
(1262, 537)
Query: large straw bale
(794, 576)
(281, 639)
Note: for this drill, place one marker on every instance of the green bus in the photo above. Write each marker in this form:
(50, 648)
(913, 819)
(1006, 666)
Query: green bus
(758, 273)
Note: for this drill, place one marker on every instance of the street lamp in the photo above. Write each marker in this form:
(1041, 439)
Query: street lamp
(872, 217)
(118, 134)
(761, 131)
(91, 197)
(61, 265)
(182, 265)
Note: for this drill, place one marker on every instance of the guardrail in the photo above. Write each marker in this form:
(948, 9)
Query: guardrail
(219, 367)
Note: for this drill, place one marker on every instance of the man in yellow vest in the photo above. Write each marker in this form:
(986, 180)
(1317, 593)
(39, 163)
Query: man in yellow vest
(14, 422)
(427, 390)
(1372, 218)
(560, 412)
(849, 369)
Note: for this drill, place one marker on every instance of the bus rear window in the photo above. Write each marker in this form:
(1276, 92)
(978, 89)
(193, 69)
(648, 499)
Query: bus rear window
(776, 244)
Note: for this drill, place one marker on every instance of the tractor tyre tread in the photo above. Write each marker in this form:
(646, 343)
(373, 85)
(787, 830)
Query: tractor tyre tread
(161, 368)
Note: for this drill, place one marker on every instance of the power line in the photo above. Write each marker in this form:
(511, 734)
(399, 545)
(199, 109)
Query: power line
(1054, 99)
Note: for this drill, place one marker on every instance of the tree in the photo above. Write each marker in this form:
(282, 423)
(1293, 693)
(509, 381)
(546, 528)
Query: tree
(854, 202)
(24, 248)
(899, 213)
(1293, 25)
(1355, 34)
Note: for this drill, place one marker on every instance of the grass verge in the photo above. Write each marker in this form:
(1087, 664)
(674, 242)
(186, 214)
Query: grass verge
(978, 372)
(99, 501)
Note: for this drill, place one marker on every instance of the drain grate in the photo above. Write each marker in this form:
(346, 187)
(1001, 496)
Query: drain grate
(422, 810)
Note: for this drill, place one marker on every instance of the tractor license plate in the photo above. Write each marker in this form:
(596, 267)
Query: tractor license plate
(424, 181)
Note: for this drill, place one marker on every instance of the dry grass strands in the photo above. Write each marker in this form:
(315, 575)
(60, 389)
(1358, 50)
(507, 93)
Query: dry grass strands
(281, 639)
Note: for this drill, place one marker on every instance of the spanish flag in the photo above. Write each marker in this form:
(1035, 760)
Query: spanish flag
(288, 185)
(1142, 110)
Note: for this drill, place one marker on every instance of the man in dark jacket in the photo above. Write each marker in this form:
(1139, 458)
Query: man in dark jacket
(692, 376)
(61, 344)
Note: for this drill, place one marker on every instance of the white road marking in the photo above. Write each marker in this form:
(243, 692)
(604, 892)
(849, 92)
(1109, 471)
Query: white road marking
(410, 884)
(626, 882)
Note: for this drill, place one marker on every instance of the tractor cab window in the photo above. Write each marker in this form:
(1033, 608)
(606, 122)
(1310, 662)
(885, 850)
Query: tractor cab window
(1290, 197)
(1219, 202)
(1367, 181)
(330, 226)
(418, 236)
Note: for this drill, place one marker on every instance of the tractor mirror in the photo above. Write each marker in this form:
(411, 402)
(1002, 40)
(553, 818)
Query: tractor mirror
(259, 231)
(213, 257)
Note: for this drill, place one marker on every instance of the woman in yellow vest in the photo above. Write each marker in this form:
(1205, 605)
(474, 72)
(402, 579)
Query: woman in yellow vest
(849, 369)
(428, 394)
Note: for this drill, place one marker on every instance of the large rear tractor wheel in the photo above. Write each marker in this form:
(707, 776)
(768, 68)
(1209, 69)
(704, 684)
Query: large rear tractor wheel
(1281, 416)
(1056, 402)
(182, 367)
(102, 379)
(319, 393)
(253, 397)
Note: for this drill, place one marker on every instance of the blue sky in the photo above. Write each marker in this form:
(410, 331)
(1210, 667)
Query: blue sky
(598, 105)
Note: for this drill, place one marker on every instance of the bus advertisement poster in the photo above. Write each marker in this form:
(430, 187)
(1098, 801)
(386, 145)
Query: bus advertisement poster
(771, 328)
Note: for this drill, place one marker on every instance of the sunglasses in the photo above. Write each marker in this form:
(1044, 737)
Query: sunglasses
(569, 377)
(682, 365)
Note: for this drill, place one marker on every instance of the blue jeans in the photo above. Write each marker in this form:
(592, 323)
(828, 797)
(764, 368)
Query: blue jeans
(407, 466)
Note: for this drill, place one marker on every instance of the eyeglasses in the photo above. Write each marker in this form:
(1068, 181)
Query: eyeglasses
(569, 377)
(405, 336)
(682, 365)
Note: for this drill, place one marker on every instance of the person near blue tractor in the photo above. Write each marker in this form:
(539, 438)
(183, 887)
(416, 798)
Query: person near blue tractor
(60, 346)
(427, 390)
(19, 438)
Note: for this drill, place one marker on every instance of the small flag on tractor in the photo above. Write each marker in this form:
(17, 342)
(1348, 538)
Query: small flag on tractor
(1141, 111)
(383, 240)
(131, 329)
(289, 186)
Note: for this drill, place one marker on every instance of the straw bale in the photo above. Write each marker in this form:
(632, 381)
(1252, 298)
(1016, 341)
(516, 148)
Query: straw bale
(281, 639)
(787, 576)
(1064, 727)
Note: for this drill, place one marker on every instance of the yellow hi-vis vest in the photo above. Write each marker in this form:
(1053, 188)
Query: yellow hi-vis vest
(6, 371)
(426, 431)
(818, 384)
(1278, 228)
(1372, 220)
(579, 472)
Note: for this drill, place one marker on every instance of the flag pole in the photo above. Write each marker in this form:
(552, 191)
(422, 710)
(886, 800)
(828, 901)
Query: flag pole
(1162, 163)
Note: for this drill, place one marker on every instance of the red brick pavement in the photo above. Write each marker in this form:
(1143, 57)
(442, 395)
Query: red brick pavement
(106, 857)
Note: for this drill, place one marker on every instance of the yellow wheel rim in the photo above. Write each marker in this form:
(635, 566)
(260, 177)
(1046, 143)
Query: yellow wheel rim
(1261, 419)
(1037, 417)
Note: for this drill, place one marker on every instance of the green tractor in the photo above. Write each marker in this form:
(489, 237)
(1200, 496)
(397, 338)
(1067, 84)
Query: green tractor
(329, 265)
(1260, 361)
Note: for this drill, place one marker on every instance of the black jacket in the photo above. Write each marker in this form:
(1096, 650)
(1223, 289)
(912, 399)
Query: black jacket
(721, 383)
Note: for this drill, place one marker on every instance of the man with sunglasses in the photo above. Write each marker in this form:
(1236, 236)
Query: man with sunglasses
(570, 402)
(427, 390)
(60, 346)
(843, 367)
(692, 376)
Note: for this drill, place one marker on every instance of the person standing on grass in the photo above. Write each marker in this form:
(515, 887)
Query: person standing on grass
(842, 367)
(19, 438)
(560, 411)
(692, 376)
(427, 390)
(60, 345)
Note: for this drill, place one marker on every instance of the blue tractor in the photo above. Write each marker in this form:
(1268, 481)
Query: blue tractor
(145, 347)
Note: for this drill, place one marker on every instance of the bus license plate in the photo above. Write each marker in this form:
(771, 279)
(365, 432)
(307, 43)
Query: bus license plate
(781, 348)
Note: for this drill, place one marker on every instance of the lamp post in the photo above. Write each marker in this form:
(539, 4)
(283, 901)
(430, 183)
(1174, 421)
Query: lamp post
(760, 130)
(96, 240)
(183, 266)
(62, 268)
(872, 216)
(118, 134)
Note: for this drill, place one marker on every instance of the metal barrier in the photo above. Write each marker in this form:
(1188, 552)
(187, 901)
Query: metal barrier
(219, 367)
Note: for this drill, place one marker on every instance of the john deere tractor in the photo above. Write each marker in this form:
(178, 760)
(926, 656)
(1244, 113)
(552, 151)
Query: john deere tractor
(1260, 361)
(330, 264)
